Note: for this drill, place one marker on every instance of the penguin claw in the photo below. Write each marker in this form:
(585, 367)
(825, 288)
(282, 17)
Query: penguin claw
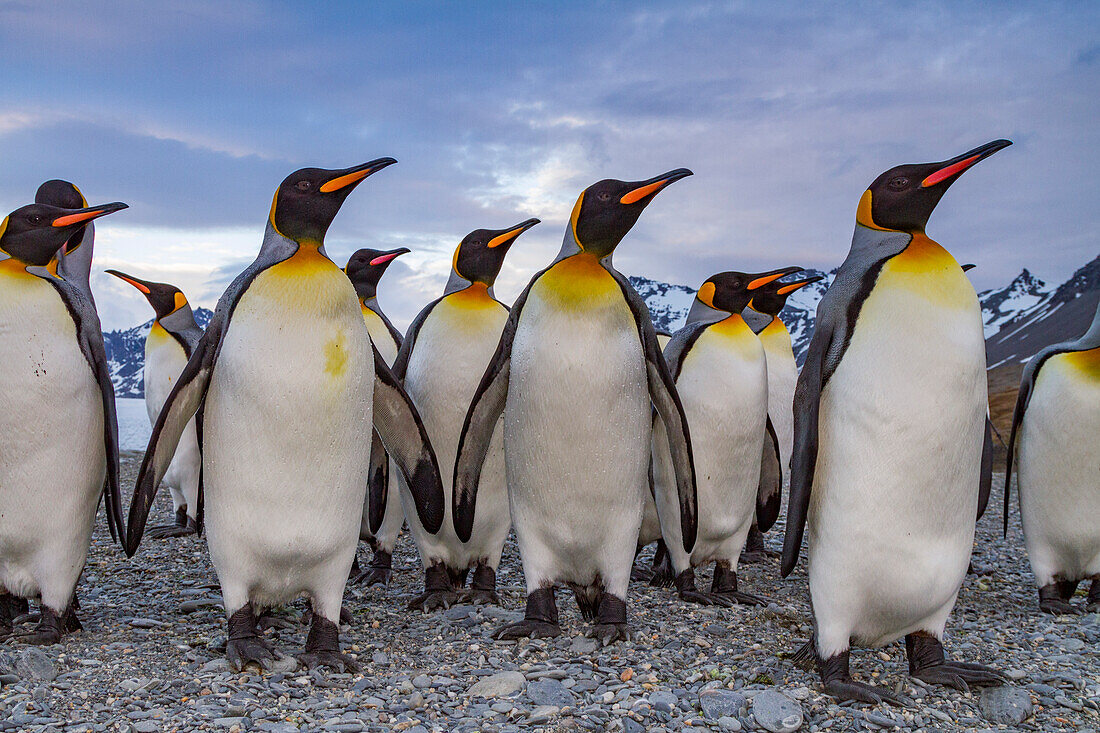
(275, 621)
(609, 633)
(38, 637)
(754, 558)
(433, 600)
(330, 659)
(480, 597)
(641, 574)
(1058, 607)
(529, 628)
(1093, 607)
(959, 675)
(165, 531)
(745, 599)
(373, 576)
(706, 599)
(249, 650)
(850, 690)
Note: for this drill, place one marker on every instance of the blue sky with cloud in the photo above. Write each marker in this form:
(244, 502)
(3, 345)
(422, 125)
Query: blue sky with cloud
(193, 112)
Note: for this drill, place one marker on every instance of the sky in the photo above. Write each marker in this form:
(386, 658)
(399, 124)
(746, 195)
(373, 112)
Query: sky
(193, 113)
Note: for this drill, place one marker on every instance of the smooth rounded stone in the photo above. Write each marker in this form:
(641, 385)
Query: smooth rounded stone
(728, 723)
(498, 685)
(380, 658)
(584, 645)
(146, 726)
(345, 726)
(416, 700)
(542, 713)
(422, 681)
(549, 692)
(501, 707)
(457, 613)
(1073, 645)
(35, 664)
(632, 726)
(776, 712)
(197, 604)
(283, 663)
(1007, 705)
(716, 704)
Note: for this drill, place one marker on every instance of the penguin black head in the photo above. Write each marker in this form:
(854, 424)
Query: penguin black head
(606, 211)
(56, 192)
(366, 267)
(480, 254)
(308, 199)
(731, 291)
(902, 198)
(164, 298)
(34, 233)
(771, 298)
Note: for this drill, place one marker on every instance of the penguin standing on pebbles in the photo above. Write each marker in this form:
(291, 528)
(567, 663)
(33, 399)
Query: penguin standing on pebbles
(382, 515)
(58, 430)
(170, 343)
(721, 375)
(290, 386)
(660, 570)
(1056, 434)
(762, 315)
(448, 346)
(575, 374)
(890, 423)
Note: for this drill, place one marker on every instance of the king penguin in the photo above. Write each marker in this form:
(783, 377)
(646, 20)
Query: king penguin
(575, 373)
(171, 341)
(889, 428)
(721, 375)
(290, 386)
(660, 570)
(55, 467)
(382, 515)
(762, 315)
(448, 346)
(74, 258)
(1055, 430)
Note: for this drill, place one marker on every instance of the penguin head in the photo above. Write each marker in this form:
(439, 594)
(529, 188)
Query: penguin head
(366, 267)
(480, 255)
(605, 211)
(164, 298)
(308, 199)
(56, 192)
(730, 292)
(34, 233)
(902, 198)
(771, 298)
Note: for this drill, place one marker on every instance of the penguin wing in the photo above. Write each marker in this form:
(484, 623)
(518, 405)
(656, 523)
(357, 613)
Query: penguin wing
(402, 432)
(769, 493)
(377, 484)
(985, 479)
(481, 421)
(405, 346)
(662, 391)
(394, 333)
(90, 338)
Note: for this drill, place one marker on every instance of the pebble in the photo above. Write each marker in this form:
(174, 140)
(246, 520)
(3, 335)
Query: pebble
(498, 685)
(542, 713)
(35, 664)
(717, 704)
(1006, 705)
(549, 692)
(776, 712)
(728, 723)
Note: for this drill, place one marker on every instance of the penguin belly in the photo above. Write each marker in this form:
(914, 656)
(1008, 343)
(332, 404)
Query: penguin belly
(577, 431)
(455, 344)
(782, 377)
(287, 417)
(1059, 463)
(723, 386)
(53, 463)
(164, 362)
(895, 493)
(393, 517)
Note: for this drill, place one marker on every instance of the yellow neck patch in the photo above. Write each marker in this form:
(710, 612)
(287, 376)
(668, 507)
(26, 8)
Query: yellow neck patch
(1084, 364)
(14, 267)
(573, 219)
(158, 333)
(475, 297)
(578, 280)
(305, 262)
(732, 326)
(776, 327)
(927, 268)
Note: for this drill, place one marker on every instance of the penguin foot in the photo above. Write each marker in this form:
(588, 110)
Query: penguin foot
(268, 619)
(1093, 603)
(755, 551)
(979, 569)
(51, 627)
(640, 573)
(164, 531)
(1053, 600)
(706, 599)
(740, 597)
(329, 659)
(432, 600)
(663, 574)
(249, 650)
(849, 690)
(323, 647)
(345, 616)
(483, 587)
(378, 572)
(609, 633)
(928, 664)
(480, 597)
(528, 627)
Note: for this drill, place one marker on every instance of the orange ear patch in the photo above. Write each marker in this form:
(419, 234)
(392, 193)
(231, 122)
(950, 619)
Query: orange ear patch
(706, 293)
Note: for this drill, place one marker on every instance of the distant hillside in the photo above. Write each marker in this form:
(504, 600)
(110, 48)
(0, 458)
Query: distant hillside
(126, 355)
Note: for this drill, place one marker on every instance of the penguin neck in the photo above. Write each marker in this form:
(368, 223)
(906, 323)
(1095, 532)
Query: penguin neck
(701, 313)
(178, 320)
(1091, 339)
(456, 283)
(757, 321)
(570, 246)
(474, 295)
(76, 265)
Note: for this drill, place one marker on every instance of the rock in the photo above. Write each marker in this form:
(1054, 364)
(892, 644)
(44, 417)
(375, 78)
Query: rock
(720, 703)
(35, 664)
(1006, 705)
(549, 692)
(632, 726)
(421, 681)
(146, 623)
(728, 723)
(542, 713)
(283, 663)
(776, 712)
(416, 700)
(498, 685)
(584, 645)
(146, 726)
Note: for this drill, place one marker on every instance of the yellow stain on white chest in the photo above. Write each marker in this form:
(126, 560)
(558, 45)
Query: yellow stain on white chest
(579, 282)
(1084, 365)
(929, 270)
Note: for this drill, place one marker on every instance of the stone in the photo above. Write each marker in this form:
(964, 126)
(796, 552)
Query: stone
(1006, 705)
(498, 685)
(35, 664)
(717, 704)
(584, 645)
(776, 712)
(549, 692)
(728, 723)
(542, 713)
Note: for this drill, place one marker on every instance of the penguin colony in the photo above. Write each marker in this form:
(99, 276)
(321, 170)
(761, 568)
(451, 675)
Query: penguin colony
(301, 422)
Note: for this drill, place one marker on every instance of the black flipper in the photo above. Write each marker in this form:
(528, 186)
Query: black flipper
(769, 494)
(985, 482)
(1022, 400)
(404, 351)
(377, 483)
(402, 431)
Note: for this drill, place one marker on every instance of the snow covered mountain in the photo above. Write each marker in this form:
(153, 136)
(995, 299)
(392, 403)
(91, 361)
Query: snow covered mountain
(126, 355)
(1020, 318)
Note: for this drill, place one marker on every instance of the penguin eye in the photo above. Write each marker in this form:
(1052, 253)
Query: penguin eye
(304, 185)
(36, 219)
(603, 196)
(898, 184)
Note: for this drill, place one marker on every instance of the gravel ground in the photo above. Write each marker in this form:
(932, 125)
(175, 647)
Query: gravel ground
(150, 659)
